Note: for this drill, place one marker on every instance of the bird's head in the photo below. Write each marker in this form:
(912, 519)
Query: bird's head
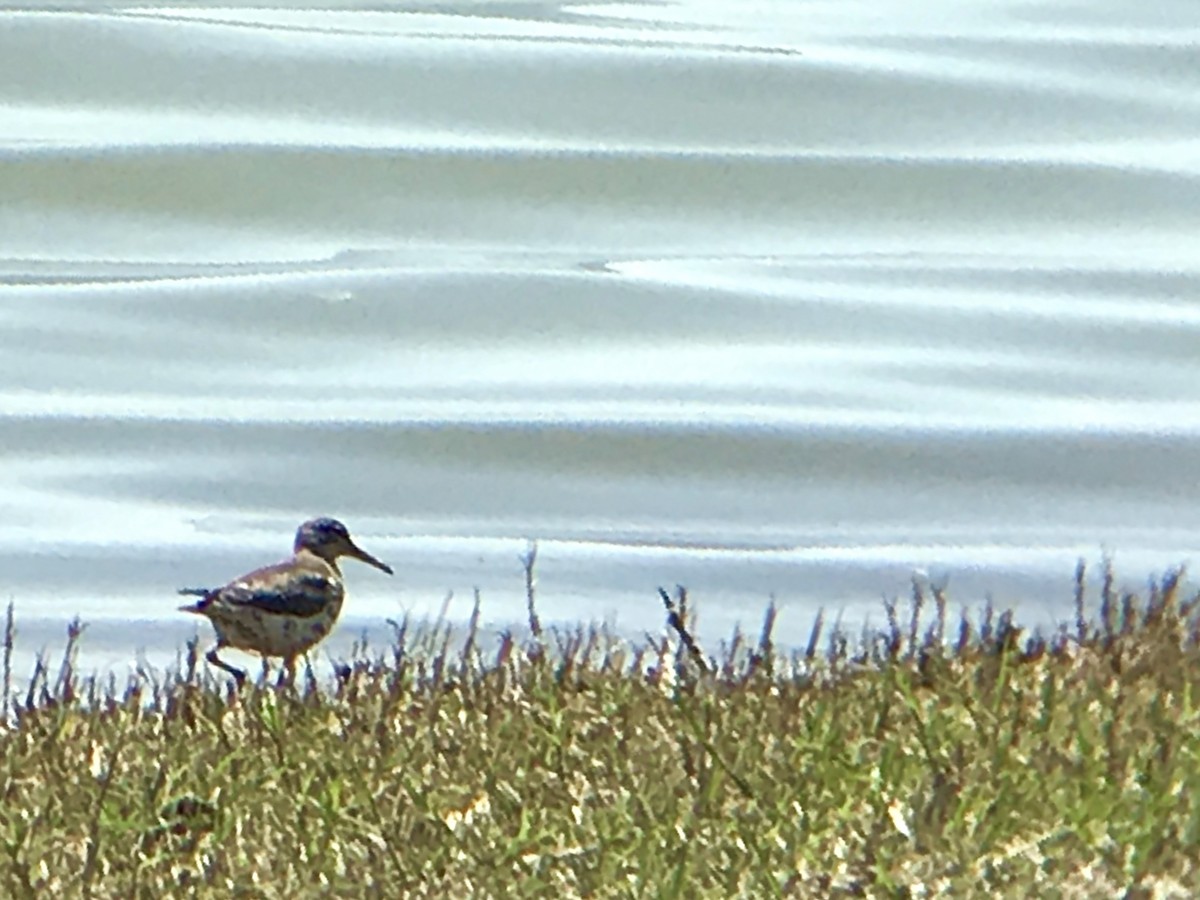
(329, 539)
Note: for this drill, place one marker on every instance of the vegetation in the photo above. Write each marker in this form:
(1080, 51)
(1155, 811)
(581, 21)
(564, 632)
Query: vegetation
(934, 757)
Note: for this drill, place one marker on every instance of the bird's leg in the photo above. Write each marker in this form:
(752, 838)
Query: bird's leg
(288, 676)
(238, 675)
(310, 678)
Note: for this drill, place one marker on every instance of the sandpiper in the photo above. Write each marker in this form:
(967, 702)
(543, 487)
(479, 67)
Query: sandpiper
(285, 609)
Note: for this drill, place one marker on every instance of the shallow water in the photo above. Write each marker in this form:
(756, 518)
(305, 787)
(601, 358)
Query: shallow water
(769, 299)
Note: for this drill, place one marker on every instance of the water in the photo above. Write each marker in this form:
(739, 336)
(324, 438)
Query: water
(769, 299)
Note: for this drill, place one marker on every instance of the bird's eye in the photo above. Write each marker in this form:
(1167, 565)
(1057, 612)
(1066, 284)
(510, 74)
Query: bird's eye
(331, 528)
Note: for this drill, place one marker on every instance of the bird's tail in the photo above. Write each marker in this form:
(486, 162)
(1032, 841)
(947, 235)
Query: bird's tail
(198, 606)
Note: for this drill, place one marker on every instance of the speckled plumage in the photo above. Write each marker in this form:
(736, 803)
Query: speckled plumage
(285, 609)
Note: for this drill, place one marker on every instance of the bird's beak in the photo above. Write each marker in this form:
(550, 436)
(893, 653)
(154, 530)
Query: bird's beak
(360, 554)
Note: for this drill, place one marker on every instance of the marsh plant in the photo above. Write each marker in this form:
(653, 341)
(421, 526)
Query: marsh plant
(936, 756)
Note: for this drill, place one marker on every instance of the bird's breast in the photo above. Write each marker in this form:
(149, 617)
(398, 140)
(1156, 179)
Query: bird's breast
(267, 627)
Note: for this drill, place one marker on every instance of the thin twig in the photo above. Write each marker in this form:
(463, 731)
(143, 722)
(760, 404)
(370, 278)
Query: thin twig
(675, 619)
(529, 560)
(10, 633)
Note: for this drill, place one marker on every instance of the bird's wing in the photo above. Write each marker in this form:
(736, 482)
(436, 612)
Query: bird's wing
(281, 590)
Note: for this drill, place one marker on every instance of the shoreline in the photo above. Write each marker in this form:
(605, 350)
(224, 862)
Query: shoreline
(120, 646)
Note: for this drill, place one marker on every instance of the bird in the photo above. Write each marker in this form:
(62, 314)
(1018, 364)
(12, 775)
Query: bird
(285, 609)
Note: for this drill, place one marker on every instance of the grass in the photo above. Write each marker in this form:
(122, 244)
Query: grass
(933, 757)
